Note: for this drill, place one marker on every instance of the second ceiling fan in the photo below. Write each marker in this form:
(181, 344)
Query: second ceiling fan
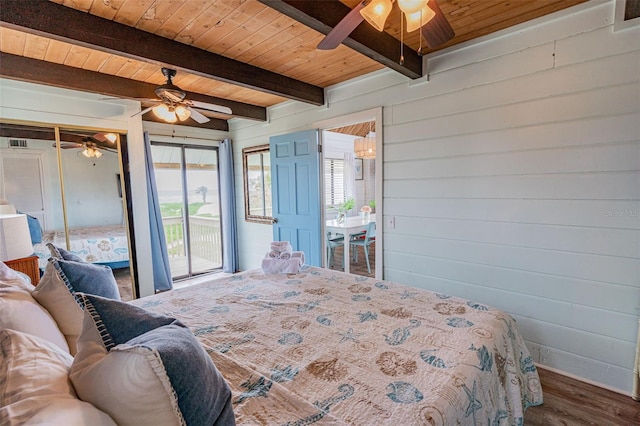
(425, 15)
(93, 145)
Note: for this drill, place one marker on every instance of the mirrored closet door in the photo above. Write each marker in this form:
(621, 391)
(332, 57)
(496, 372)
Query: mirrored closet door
(71, 181)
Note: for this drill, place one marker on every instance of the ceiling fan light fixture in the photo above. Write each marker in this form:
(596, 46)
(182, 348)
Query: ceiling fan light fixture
(376, 13)
(165, 112)
(412, 6)
(91, 152)
(182, 112)
(418, 19)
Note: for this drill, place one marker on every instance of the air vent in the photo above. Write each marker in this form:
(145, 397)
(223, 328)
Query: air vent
(17, 143)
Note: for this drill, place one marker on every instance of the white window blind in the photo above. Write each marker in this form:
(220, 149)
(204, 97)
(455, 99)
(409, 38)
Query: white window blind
(333, 181)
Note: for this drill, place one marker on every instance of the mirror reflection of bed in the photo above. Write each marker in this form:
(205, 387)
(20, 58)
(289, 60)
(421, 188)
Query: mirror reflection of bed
(91, 200)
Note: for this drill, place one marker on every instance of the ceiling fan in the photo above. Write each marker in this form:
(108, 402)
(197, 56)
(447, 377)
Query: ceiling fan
(93, 145)
(425, 15)
(172, 104)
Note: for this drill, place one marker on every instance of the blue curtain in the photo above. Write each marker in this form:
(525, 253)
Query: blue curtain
(228, 208)
(159, 256)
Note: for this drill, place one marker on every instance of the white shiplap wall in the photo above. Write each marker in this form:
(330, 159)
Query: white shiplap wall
(513, 176)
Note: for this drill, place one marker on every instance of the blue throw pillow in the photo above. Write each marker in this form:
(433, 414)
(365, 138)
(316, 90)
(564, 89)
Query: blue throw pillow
(34, 228)
(86, 277)
(144, 368)
(60, 253)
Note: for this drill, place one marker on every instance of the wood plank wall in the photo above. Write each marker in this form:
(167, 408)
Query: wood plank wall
(521, 190)
(513, 175)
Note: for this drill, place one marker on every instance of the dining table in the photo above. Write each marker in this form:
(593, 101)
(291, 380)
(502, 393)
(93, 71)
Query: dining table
(350, 225)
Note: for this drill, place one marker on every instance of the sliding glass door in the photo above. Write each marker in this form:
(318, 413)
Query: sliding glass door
(188, 192)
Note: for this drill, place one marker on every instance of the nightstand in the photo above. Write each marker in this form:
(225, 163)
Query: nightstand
(26, 265)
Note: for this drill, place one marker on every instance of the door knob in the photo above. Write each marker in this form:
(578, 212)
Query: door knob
(274, 220)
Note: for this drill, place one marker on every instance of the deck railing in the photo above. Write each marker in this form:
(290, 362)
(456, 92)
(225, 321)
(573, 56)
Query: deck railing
(206, 237)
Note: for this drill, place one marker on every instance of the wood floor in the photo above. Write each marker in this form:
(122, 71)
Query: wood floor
(359, 267)
(572, 402)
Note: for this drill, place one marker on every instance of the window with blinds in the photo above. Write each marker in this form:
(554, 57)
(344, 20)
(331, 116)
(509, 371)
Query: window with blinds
(333, 181)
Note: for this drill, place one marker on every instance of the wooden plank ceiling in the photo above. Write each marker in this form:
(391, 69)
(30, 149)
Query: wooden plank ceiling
(240, 53)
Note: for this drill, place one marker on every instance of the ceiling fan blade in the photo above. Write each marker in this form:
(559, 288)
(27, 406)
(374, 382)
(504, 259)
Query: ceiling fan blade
(197, 116)
(210, 107)
(105, 138)
(343, 29)
(437, 31)
(144, 111)
(68, 145)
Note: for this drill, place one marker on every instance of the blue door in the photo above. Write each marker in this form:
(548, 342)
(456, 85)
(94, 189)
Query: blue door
(295, 186)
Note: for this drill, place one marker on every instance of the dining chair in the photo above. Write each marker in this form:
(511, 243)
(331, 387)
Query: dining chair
(333, 242)
(369, 238)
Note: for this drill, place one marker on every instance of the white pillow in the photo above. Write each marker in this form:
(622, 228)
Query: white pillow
(145, 368)
(35, 386)
(53, 294)
(21, 312)
(7, 273)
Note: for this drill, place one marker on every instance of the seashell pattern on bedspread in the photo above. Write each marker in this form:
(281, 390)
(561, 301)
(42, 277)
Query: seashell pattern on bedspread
(95, 244)
(324, 347)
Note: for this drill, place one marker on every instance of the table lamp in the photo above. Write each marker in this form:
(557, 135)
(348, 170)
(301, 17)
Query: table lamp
(15, 238)
(7, 209)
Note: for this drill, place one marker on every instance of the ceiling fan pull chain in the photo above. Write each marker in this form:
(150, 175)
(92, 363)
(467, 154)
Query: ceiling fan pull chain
(420, 53)
(401, 40)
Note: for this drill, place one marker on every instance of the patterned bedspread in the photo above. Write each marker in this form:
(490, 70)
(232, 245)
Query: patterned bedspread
(324, 347)
(95, 244)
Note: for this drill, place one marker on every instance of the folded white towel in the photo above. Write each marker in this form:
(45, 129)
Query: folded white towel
(298, 255)
(285, 256)
(279, 266)
(273, 255)
(281, 246)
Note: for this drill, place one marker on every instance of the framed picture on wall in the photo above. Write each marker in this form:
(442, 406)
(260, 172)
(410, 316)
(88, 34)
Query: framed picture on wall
(358, 168)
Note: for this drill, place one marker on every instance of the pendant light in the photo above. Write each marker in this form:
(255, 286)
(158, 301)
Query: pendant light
(365, 147)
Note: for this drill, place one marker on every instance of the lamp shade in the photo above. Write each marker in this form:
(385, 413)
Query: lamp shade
(412, 6)
(15, 238)
(376, 13)
(7, 209)
(418, 19)
(365, 147)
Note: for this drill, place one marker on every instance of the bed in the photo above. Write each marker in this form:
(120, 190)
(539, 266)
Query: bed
(325, 347)
(107, 245)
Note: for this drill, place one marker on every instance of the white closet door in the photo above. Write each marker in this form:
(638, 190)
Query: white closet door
(23, 184)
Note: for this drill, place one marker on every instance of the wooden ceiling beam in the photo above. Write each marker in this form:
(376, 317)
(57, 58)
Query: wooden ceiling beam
(57, 75)
(322, 16)
(48, 19)
(42, 133)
